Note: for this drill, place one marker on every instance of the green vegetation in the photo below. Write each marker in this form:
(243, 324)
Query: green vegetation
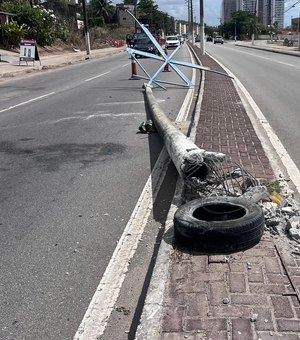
(54, 21)
(243, 25)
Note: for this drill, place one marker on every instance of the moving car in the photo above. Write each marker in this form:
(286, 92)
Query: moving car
(218, 40)
(143, 43)
(172, 41)
(209, 38)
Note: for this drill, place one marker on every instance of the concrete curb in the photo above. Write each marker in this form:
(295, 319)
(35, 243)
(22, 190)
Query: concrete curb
(150, 327)
(151, 319)
(270, 49)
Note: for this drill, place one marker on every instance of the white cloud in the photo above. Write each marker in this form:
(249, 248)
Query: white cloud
(179, 10)
(212, 10)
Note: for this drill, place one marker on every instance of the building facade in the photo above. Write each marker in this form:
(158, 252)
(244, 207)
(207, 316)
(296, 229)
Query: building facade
(269, 11)
(228, 8)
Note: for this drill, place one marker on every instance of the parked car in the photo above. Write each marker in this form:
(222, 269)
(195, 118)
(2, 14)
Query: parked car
(138, 36)
(143, 43)
(218, 40)
(209, 38)
(172, 41)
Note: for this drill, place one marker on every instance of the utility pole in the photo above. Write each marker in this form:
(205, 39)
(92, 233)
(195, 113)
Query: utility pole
(135, 23)
(202, 27)
(254, 23)
(86, 29)
(299, 32)
(192, 24)
(189, 19)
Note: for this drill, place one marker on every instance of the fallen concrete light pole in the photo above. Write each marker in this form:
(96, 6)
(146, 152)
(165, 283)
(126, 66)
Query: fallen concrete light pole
(189, 160)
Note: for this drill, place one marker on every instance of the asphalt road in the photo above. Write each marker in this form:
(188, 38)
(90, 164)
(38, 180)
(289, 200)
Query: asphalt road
(72, 169)
(272, 79)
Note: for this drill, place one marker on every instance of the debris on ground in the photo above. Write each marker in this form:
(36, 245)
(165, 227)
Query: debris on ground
(147, 127)
(225, 178)
(123, 310)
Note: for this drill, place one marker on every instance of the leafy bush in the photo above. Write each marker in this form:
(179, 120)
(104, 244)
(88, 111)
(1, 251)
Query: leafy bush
(40, 24)
(12, 33)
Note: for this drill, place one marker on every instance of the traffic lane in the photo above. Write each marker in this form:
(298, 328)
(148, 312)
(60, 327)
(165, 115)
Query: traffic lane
(70, 188)
(175, 93)
(30, 86)
(273, 84)
(56, 182)
(65, 225)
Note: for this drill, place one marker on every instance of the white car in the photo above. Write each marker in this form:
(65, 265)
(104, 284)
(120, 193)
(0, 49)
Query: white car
(218, 40)
(172, 41)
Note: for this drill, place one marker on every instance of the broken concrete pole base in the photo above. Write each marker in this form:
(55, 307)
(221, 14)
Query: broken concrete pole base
(189, 160)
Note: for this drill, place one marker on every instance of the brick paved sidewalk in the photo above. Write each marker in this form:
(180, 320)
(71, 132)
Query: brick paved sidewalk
(252, 294)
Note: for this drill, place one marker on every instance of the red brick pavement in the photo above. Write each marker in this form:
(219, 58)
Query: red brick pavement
(245, 295)
(252, 294)
(224, 125)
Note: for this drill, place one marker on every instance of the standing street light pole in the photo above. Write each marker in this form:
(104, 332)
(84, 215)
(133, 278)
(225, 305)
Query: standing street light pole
(254, 23)
(202, 27)
(86, 29)
(299, 31)
(192, 24)
(189, 19)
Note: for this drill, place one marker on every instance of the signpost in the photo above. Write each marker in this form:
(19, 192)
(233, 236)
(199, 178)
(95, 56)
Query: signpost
(29, 51)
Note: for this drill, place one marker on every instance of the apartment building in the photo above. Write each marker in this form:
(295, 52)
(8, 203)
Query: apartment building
(269, 11)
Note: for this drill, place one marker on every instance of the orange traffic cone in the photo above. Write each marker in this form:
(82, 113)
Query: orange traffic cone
(133, 69)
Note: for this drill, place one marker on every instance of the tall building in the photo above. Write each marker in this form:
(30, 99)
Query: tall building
(269, 11)
(277, 13)
(249, 5)
(228, 8)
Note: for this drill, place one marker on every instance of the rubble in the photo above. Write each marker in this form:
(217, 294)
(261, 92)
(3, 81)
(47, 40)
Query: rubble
(281, 210)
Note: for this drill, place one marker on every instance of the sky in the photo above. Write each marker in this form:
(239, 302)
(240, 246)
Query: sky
(212, 10)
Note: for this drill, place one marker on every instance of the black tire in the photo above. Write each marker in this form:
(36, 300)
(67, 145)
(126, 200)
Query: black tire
(219, 224)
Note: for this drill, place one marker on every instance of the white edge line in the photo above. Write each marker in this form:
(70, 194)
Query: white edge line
(185, 107)
(99, 75)
(27, 102)
(150, 323)
(281, 151)
(102, 304)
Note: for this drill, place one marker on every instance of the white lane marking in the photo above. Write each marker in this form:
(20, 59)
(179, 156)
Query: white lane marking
(98, 76)
(102, 304)
(185, 108)
(268, 58)
(127, 103)
(27, 102)
(281, 151)
(114, 115)
(91, 116)
(126, 64)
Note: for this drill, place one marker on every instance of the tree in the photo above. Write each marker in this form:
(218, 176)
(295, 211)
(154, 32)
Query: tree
(148, 8)
(101, 9)
(243, 23)
(38, 22)
(130, 2)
